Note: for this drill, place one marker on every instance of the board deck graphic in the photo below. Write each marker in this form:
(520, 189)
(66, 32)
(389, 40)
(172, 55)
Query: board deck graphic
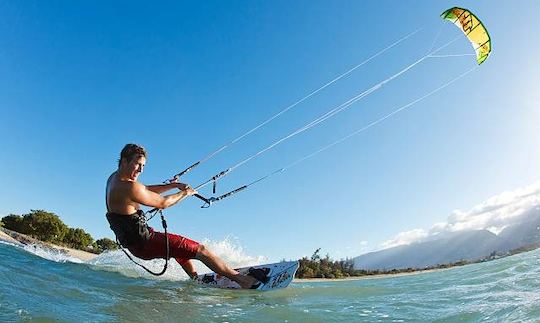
(272, 276)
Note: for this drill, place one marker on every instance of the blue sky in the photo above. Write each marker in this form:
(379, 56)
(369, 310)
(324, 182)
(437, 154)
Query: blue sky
(81, 79)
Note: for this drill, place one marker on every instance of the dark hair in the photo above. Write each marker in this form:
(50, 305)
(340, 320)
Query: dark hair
(131, 151)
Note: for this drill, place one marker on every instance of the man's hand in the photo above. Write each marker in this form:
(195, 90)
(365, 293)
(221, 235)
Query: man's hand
(189, 191)
(186, 188)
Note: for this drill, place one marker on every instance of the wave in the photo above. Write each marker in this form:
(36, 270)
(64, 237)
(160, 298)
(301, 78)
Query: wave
(228, 249)
(44, 252)
(50, 253)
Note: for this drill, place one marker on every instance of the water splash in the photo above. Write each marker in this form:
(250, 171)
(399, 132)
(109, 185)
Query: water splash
(228, 249)
(50, 253)
(231, 251)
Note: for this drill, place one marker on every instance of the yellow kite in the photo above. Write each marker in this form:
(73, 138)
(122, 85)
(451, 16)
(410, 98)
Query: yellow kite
(474, 30)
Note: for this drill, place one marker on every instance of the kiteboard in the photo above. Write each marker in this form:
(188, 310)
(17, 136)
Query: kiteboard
(270, 276)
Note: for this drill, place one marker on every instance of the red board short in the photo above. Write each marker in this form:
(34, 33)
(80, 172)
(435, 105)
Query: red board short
(180, 248)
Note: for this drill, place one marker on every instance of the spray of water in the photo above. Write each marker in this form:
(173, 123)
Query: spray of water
(50, 253)
(228, 249)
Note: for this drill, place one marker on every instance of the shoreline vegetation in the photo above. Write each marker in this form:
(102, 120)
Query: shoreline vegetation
(20, 239)
(322, 269)
(46, 230)
(317, 269)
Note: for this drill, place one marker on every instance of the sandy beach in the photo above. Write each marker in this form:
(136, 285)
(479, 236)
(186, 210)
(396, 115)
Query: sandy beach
(21, 239)
(7, 238)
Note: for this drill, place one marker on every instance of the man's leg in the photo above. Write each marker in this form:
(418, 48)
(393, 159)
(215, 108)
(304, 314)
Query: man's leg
(218, 266)
(188, 267)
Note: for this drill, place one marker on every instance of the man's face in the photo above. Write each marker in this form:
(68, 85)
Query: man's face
(135, 167)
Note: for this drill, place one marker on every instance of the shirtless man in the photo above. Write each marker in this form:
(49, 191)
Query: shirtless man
(124, 196)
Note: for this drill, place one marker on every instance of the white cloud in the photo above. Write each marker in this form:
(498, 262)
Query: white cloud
(406, 237)
(494, 214)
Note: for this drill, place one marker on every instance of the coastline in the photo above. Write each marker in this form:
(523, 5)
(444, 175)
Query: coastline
(7, 238)
(22, 239)
(377, 276)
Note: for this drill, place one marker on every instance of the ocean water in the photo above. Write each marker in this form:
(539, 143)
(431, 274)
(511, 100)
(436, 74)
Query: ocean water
(37, 285)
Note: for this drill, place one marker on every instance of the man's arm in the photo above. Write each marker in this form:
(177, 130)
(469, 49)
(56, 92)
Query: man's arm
(161, 188)
(143, 195)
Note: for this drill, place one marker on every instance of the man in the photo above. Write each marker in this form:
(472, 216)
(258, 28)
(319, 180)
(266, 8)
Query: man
(124, 196)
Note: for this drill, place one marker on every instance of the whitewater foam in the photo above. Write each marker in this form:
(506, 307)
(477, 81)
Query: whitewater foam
(50, 254)
(228, 249)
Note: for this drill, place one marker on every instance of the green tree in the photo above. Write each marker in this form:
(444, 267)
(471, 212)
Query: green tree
(45, 226)
(315, 256)
(13, 222)
(106, 244)
(308, 273)
(78, 238)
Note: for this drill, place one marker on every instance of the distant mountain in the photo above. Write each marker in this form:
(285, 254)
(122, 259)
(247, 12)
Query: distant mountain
(522, 234)
(431, 253)
(453, 247)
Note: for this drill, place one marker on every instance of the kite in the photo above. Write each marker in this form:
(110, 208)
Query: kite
(474, 31)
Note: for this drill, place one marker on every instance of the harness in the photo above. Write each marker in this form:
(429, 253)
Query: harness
(129, 229)
(133, 230)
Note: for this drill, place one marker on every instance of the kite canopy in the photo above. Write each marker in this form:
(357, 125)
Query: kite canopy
(474, 30)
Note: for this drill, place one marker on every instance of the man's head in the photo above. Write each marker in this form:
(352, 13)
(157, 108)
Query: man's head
(132, 160)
